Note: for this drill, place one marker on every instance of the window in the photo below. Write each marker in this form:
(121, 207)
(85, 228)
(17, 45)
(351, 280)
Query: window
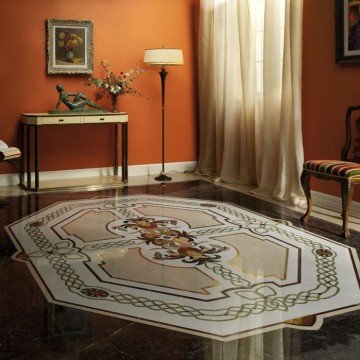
(257, 13)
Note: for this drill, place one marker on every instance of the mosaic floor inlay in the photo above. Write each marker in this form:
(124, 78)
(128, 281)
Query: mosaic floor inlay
(204, 267)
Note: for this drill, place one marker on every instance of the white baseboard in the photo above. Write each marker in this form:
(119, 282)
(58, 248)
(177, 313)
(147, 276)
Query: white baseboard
(326, 201)
(333, 203)
(134, 170)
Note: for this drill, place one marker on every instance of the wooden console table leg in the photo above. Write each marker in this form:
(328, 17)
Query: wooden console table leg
(21, 162)
(36, 157)
(28, 167)
(124, 163)
(116, 161)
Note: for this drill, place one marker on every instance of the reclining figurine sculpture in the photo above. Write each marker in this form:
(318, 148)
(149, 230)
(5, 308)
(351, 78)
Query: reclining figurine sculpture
(78, 102)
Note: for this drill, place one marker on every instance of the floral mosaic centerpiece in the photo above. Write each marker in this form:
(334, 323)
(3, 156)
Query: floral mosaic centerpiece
(114, 85)
(187, 264)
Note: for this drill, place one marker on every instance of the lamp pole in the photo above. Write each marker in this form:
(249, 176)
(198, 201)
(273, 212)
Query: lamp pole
(163, 177)
(163, 57)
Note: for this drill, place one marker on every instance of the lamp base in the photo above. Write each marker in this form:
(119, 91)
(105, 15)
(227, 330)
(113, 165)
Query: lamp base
(163, 177)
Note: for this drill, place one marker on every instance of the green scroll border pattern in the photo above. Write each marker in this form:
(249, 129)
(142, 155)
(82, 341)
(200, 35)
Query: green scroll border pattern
(326, 270)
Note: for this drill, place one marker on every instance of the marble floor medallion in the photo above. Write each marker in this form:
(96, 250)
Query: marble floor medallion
(208, 268)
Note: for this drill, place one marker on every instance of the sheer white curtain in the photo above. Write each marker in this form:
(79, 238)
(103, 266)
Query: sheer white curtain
(250, 94)
(271, 345)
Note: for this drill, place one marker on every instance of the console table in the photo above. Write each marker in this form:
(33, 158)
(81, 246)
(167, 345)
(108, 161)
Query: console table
(37, 120)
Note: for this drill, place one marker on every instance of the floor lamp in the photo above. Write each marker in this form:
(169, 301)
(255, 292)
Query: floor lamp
(163, 57)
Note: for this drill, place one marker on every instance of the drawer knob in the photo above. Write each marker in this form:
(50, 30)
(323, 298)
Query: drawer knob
(61, 120)
(102, 119)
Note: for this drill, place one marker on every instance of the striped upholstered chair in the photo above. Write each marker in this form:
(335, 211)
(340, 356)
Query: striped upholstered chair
(346, 171)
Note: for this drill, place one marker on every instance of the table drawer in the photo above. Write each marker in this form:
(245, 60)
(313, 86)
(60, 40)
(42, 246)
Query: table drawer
(60, 120)
(102, 119)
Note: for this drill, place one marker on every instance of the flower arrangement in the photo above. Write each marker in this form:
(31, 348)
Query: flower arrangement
(114, 85)
(69, 42)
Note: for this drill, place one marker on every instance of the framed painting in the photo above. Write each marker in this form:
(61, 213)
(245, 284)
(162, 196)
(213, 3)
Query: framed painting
(347, 22)
(70, 46)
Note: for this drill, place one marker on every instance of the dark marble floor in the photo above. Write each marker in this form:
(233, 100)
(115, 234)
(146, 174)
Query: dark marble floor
(31, 328)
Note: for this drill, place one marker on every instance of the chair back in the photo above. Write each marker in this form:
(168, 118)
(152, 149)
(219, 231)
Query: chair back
(351, 150)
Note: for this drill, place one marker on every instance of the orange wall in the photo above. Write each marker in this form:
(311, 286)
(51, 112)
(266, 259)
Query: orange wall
(122, 30)
(328, 89)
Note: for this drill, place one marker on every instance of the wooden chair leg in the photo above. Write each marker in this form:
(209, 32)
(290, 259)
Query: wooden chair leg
(347, 190)
(305, 183)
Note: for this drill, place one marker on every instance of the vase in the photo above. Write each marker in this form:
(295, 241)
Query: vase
(69, 56)
(115, 103)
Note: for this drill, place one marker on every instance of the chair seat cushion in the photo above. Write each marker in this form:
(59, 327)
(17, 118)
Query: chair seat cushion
(334, 167)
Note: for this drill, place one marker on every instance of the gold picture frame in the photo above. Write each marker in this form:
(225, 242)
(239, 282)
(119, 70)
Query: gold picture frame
(70, 46)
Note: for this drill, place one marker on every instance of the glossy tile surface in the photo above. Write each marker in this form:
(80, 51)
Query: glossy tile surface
(204, 267)
(47, 330)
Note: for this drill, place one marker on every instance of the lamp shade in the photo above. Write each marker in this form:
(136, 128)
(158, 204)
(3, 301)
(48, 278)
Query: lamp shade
(163, 57)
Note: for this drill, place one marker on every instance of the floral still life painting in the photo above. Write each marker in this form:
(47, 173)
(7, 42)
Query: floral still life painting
(70, 46)
(114, 85)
